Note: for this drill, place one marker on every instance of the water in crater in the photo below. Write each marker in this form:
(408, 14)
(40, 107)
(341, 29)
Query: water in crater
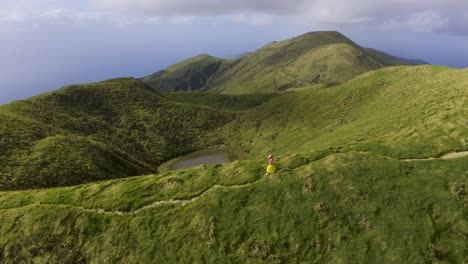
(201, 158)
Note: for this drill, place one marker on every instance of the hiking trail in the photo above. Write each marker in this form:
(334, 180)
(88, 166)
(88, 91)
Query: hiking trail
(183, 202)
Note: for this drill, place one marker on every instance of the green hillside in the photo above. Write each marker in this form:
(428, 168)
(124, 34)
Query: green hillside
(397, 111)
(318, 58)
(83, 133)
(188, 75)
(344, 208)
(363, 173)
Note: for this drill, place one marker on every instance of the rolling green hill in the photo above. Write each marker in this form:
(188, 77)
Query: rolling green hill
(83, 133)
(402, 112)
(188, 75)
(317, 58)
(370, 171)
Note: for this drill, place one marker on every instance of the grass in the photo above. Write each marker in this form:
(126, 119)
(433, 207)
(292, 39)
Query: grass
(188, 75)
(344, 191)
(117, 128)
(221, 101)
(128, 129)
(403, 112)
(347, 63)
(346, 207)
(316, 58)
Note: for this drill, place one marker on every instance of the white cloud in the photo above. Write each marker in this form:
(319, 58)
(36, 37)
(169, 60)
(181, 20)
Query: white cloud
(420, 15)
(11, 18)
(180, 20)
(199, 7)
(328, 9)
(55, 13)
(153, 20)
(428, 21)
(27, 15)
(253, 19)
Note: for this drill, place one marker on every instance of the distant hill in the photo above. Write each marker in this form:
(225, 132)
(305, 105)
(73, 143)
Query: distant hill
(188, 75)
(389, 60)
(415, 62)
(317, 58)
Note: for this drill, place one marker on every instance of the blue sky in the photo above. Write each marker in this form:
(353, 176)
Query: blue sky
(46, 44)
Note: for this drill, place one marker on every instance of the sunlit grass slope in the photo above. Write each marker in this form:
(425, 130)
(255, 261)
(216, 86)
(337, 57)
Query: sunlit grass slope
(402, 112)
(313, 58)
(317, 58)
(351, 207)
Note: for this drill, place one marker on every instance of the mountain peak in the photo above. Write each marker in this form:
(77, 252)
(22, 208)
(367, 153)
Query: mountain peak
(323, 58)
(322, 33)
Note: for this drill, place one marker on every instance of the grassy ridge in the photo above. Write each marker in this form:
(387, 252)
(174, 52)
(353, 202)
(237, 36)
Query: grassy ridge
(405, 112)
(314, 58)
(188, 75)
(344, 191)
(317, 58)
(127, 128)
(347, 207)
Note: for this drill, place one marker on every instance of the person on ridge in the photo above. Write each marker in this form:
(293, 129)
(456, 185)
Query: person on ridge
(271, 165)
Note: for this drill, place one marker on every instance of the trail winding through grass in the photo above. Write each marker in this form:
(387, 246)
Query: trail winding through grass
(451, 155)
(183, 202)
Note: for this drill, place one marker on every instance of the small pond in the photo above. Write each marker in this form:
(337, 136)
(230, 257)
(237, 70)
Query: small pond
(204, 157)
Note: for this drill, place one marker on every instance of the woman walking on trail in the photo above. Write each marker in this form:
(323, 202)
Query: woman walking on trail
(271, 165)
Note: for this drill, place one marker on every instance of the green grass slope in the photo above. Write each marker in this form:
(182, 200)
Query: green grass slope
(191, 74)
(403, 112)
(280, 65)
(98, 131)
(221, 101)
(360, 175)
(343, 208)
(317, 58)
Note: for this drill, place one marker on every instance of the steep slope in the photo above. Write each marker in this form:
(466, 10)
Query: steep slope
(279, 65)
(188, 75)
(316, 58)
(398, 111)
(105, 130)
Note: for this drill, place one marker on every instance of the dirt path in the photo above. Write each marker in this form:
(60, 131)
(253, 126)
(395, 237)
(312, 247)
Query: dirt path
(451, 155)
(181, 202)
(188, 201)
(455, 155)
